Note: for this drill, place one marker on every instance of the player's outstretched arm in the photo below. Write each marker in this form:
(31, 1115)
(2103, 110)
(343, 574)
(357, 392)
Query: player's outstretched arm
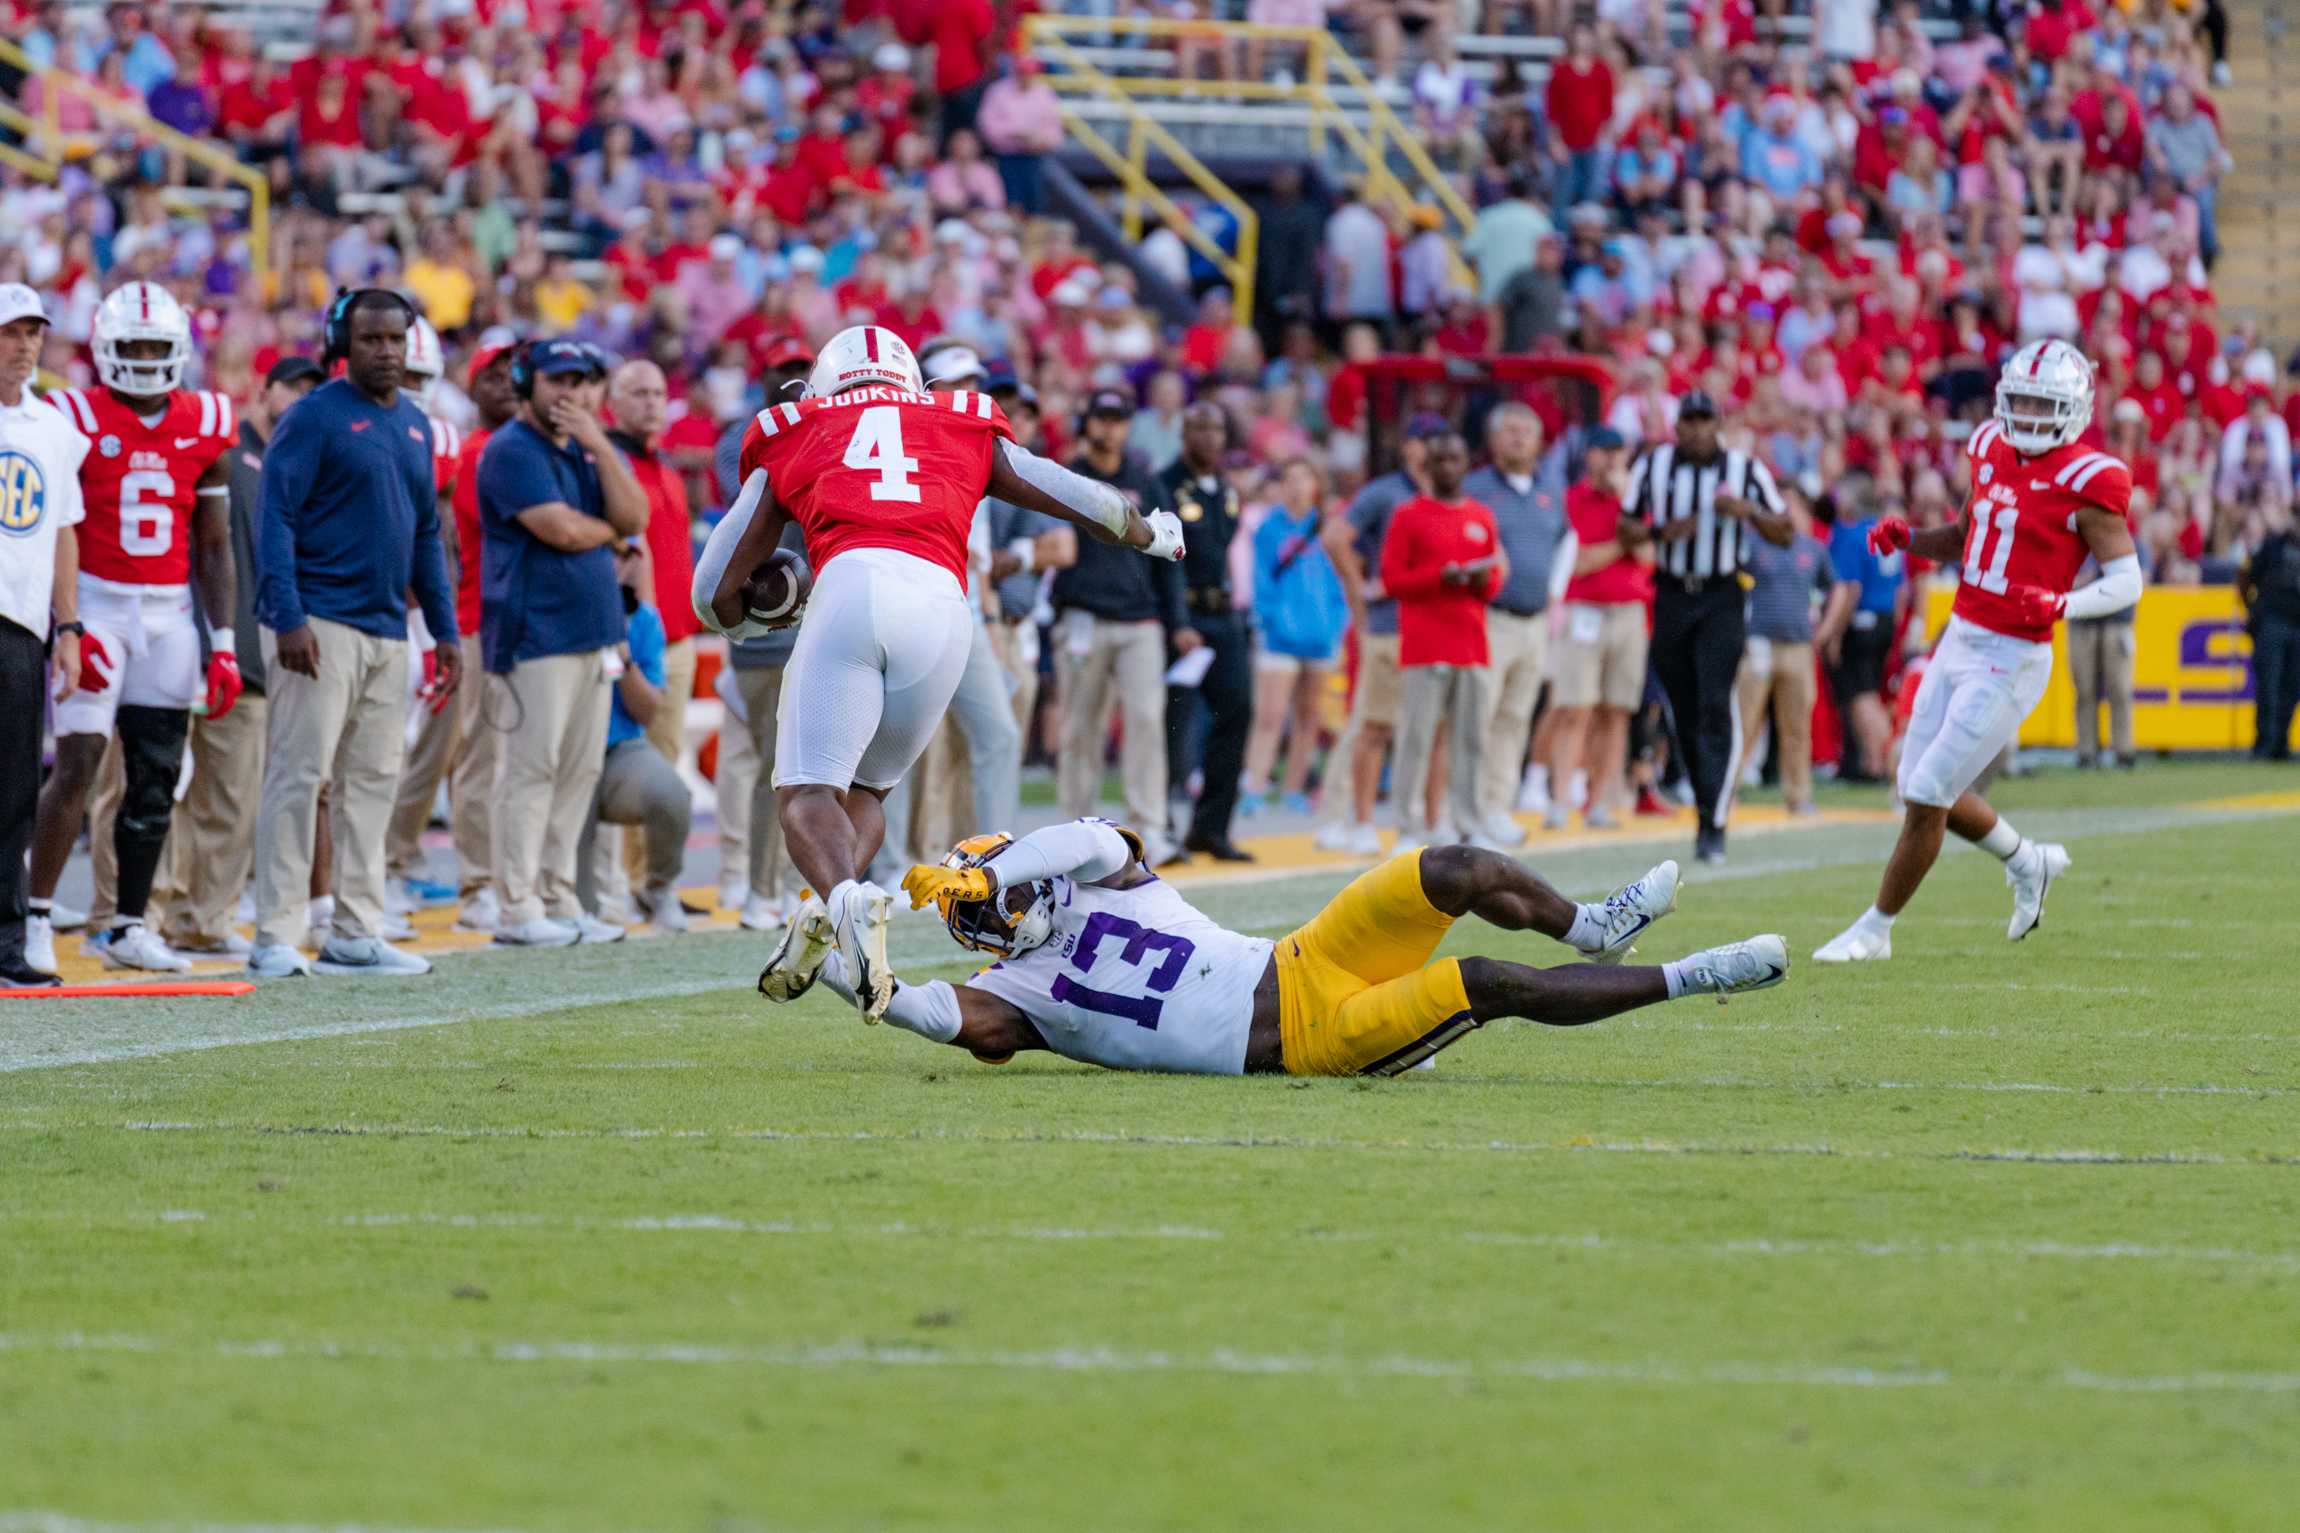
(983, 1024)
(1022, 477)
(743, 540)
(1086, 850)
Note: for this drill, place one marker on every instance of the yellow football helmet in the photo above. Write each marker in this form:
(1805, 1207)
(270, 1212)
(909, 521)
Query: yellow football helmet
(1011, 921)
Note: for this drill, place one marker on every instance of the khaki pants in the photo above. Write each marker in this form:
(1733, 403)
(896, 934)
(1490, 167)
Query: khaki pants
(1778, 677)
(429, 757)
(1430, 697)
(545, 778)
(211, 839)
(2100, 664)
(471, 777)
(668, 733)
(1519, 652)
(1016, 645)
(1106, 665)
(1375, 702)
(346, 727)
(104, 796)
(762, 851)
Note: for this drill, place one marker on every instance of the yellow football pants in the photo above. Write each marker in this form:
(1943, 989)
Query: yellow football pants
(1357, 992)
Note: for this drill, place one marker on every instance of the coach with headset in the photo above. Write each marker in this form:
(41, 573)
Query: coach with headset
(348, 523)
(553, 495)
(1697, 503)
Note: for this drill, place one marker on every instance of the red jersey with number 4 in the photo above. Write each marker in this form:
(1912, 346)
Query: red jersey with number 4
(140, 481)
(880, 467)
(2023, 529)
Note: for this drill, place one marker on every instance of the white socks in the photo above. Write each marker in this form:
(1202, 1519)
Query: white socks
(1874, 921)
(1588, 929)
(2002, 841)
(1678, 976)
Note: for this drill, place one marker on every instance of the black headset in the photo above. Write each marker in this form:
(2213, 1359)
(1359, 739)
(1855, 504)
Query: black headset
(335, 327)
(523, 370)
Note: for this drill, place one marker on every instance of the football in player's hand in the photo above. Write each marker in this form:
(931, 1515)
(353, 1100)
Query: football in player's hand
(776, 593)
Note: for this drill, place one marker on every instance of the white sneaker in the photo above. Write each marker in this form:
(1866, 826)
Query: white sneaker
(860, 924)
(64, 918)
(396, 900)
(1332, 838)
(807, 940)
(1632, 908)
(761, 914)
(276, 960)
(229, 945)
(1857, 943)
(245, 911)
(1364, 841)
(134, 946)
(321, 915)
(1533, 792)
(2031, 872)
(396, 927)
(733, 893)
(540, 932)
(367, 957)
(664, 912)
(1406, 842)
(481, 913)
(1502, 831)
(1757, 964)
(1557, 817)
(591, 931)
(40, 943)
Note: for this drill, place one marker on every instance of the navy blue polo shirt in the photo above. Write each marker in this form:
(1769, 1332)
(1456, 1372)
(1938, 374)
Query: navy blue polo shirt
(349, 518)
(535, 600)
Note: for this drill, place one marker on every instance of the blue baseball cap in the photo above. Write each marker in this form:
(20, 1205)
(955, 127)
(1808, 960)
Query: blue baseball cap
(559, 356)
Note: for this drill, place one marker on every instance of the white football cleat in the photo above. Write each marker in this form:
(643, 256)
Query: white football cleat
(1757, 964)
(1633, 907)
(2031, 872)
(40, 944)
(1855, 944)
(135, 946)
(861, 925)
(791, 970)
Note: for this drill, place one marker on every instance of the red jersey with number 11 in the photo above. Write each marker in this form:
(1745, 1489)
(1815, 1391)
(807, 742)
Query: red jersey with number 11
(880, 467)
(140, 481)
(2023, 531)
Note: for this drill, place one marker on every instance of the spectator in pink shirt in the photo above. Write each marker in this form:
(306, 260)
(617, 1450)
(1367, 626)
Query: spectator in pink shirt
(712, 292)
(965, 182)
(1021, 120)
(1814, 383)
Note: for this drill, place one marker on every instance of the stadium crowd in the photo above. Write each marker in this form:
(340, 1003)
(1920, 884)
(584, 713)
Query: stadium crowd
(1833, 234)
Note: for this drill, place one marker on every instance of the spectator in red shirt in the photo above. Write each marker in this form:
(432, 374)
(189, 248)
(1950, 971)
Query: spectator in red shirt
(2156, 395)
(961, 31)
(1442, 562)
(1580, 104)
(641, 400)
(1598, 679)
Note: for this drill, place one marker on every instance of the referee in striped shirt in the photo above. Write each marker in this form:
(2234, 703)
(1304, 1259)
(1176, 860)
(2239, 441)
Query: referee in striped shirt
(1698, 504)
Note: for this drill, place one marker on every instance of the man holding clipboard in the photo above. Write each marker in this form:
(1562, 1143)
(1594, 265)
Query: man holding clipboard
(1442, 561)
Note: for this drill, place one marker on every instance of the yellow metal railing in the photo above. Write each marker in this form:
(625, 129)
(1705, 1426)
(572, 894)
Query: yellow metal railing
(1137, 190)
(47, 146)
(1326, 63)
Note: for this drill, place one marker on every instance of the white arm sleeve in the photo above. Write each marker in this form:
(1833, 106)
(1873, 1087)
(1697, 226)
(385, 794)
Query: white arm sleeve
(2117, 588)
(1099, 503)
(929, 1010)
(1561, 566)
(711, 566)
(1086, 850)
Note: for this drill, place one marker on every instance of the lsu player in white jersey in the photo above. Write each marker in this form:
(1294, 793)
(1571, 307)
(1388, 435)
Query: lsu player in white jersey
(1100, 960)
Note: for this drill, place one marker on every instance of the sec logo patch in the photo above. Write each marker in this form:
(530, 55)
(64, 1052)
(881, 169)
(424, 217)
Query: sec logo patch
(109, 445)
(1474, 531)
(23, 494)
(1988, 472)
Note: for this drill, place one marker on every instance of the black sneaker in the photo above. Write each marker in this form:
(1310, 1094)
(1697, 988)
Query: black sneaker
(16, 974)
(1709, 846)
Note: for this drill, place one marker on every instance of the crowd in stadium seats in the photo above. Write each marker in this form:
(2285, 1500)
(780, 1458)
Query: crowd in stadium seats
(1836, 230)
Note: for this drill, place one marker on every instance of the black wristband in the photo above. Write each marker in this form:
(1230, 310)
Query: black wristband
(75, 626)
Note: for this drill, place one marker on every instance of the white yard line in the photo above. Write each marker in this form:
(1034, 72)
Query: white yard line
(1637, 1246)
(841, 1355)
(36, 1521)
(2072, 1156)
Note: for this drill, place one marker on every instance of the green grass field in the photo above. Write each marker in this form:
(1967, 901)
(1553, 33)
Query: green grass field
(1989, 1236)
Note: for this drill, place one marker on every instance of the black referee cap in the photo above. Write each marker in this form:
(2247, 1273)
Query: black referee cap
(1696, 405)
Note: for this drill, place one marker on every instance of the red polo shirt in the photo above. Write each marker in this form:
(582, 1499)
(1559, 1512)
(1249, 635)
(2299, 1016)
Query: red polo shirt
(466, 502)
(670, 537)
(1439, 624)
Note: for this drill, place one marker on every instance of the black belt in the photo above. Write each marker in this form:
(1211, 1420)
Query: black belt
(1695, 585)
(1211, 598)
(1520, 611)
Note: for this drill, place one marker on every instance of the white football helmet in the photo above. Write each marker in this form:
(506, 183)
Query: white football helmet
(2044, 396)
(142, 311)
(426, 360)
(864, 354)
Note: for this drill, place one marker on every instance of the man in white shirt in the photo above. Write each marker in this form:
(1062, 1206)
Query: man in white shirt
(40, 455)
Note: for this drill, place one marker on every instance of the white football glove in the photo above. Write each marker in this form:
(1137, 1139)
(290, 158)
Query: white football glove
(1165, 535)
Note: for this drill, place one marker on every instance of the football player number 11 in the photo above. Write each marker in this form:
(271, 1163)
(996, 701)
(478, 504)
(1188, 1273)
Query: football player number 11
(876, 448)
(1990, 578)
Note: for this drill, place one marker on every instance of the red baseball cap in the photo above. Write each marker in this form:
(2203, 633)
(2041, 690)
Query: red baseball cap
(789, 351)
(487, 356)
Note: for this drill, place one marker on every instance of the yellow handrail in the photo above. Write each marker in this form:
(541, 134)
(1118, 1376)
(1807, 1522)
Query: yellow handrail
(1325, 60)
(48, 145)
(1145, 133)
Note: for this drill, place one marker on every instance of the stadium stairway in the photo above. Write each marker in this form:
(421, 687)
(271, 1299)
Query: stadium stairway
(2258, 274)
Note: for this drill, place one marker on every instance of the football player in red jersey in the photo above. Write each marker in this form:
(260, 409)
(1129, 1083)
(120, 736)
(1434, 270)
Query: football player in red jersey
(156, 486)
(2040, 502)
(883, 478)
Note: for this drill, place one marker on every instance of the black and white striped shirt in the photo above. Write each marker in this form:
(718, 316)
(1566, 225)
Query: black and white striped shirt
(1665, 489)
